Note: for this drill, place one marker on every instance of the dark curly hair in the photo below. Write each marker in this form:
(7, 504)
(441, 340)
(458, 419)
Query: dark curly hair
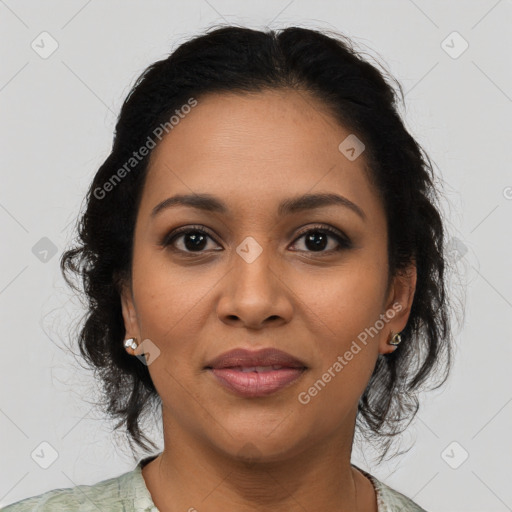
(319, 64)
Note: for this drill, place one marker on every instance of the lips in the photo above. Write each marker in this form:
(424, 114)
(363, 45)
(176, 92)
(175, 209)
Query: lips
(253, 374)
(262, 360)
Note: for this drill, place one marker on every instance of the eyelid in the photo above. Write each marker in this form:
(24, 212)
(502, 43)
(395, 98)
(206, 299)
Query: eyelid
(322, 227)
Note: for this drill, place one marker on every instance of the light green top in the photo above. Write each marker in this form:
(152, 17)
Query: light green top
(128, 493)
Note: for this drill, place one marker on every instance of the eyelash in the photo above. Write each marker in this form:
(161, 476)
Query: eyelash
(343, 241)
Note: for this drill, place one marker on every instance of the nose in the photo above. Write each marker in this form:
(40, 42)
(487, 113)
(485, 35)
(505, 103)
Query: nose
(255, 294)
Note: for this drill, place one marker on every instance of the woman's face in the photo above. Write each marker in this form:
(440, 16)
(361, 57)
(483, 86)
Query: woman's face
(257, 278)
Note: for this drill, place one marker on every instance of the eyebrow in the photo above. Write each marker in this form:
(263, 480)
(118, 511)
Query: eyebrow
(209, 203)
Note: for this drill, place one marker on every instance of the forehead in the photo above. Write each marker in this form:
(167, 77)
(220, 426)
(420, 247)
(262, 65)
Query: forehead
(256, 149)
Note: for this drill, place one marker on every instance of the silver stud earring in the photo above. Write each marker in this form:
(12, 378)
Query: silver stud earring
(131, 343)
(395, 340)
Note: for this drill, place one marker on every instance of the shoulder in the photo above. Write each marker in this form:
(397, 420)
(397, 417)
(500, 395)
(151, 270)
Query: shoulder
(390, 500)
(393, 500)
(111, 494)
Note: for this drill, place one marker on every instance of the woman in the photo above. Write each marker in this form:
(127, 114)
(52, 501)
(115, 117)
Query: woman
(263, 258)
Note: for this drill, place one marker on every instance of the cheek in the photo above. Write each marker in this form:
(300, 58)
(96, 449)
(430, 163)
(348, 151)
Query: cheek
(173, 308)
(346, 309)
(169, 297)
(348, 299)
(166, 314)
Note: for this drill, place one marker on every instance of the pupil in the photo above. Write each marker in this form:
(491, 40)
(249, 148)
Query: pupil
(198, 241)
(319, 244)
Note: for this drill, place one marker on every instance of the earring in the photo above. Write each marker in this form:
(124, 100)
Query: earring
(131, 343)
(395, 340)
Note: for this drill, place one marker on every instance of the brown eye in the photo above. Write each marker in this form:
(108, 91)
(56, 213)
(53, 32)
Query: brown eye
(317, 239)
(193, 239)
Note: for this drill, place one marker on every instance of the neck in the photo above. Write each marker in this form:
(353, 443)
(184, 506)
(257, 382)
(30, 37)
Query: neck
(191, 474)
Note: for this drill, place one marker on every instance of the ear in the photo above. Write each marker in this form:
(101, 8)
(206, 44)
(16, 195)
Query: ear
(129, 312)
(399, 301)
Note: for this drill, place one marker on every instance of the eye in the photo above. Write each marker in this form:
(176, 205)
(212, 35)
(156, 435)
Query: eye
(194, 239)
(316, 239)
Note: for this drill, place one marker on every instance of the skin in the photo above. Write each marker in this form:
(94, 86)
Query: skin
(252, 151)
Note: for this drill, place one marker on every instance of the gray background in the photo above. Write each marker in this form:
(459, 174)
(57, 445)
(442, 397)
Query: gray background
(57, 119)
